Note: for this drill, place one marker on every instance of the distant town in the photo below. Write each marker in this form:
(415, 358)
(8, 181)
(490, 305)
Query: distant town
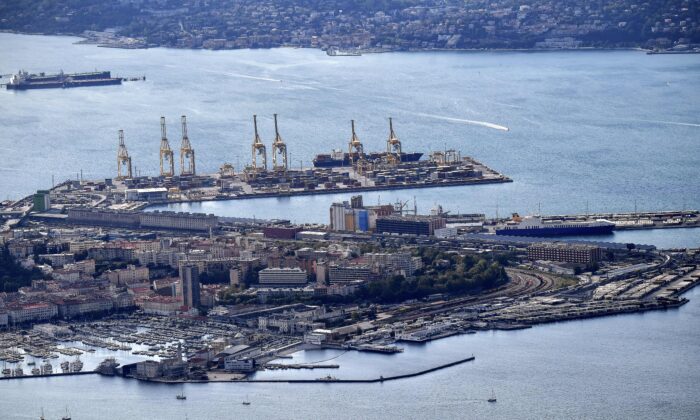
(376, 26)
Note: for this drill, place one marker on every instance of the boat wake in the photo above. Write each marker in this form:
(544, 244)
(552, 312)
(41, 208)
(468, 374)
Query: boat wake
(670, 122)
(472, 122)
(244, 76)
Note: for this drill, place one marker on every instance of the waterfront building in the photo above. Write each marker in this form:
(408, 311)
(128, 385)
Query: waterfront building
(189, 280)
(82, 305)
(19, 313)
(571, 253)
(179, 221)
(232, 364)
(410, 225)
(282, 277)
(161, 305)
(159, 194)
(106, 217)
(149, 369)
(337, 216)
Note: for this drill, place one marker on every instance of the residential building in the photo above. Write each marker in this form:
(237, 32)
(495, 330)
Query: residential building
(348, 273)
(282, 277)
(189, 280)
(129, 275)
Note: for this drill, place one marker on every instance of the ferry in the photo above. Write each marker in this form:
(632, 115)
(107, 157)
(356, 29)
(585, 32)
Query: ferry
(535, 226)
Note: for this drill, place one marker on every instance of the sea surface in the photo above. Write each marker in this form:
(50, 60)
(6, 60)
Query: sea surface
(593, 130)
(596, 130)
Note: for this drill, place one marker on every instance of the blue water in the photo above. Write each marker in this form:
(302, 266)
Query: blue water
(603, 128)
(599, 128)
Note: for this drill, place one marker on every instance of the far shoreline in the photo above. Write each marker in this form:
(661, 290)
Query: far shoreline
(86, 41)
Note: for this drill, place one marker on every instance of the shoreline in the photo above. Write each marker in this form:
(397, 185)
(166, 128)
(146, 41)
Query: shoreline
(87, 41)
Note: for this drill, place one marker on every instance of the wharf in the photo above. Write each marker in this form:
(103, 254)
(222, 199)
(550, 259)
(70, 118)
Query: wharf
(281, 366)
(50, 375)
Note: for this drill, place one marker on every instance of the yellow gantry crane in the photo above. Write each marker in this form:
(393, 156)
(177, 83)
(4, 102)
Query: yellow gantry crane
(393, 145)
(186, 152)
(258, 148)
(355, 145)
(167, 162)
(123, 159)
(279, 148)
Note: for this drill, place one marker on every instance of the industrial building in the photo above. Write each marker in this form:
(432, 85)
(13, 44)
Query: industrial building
(152, 195)
(179, 221)
(410, 224)
(571, 253)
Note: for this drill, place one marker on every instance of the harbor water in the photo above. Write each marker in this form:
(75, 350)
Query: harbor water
(597, 130)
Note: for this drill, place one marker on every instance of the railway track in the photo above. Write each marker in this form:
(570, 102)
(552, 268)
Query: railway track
(522, 283)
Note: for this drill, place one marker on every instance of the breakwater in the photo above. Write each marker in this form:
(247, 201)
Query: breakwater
(362, 381)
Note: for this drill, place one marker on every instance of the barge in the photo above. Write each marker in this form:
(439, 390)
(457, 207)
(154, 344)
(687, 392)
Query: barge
(24, 80)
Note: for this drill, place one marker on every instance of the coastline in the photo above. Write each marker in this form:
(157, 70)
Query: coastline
(84, 40)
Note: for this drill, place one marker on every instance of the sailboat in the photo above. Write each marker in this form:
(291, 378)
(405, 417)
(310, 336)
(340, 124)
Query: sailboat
(246, 401)
(67, 416)
(181, 395)
(492, 398)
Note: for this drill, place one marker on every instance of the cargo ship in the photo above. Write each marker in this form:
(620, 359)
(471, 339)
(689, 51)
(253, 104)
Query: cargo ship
(339, 158)
(535, 226)
(24, 80)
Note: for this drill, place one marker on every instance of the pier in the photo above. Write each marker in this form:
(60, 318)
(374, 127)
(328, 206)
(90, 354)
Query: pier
(362, 381)
(50, 375)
